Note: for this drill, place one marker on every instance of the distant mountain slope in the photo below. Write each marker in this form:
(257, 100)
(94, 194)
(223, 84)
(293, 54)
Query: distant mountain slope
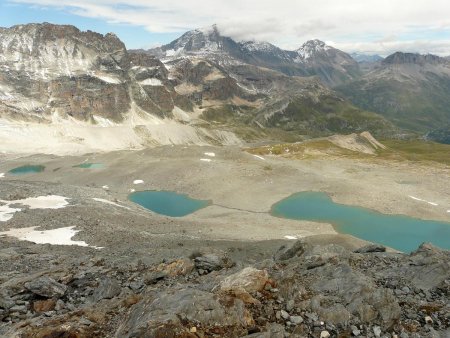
(441, 135)
(412, 90)
(314, 58)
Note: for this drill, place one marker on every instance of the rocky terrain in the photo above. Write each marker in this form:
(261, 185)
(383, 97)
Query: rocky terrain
(307, 289)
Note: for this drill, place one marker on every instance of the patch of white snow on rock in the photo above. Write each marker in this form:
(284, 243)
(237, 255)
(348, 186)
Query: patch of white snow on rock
(210, 154)
(138, 182)
(151, 82)
(422, 200)
(205, 159)
(40, 202)
(60, 236)
(109, 202)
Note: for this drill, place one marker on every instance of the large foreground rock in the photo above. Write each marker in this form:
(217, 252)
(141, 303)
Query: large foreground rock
(174, 313)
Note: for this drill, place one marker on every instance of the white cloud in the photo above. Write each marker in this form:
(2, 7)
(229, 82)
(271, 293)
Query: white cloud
(373, 25)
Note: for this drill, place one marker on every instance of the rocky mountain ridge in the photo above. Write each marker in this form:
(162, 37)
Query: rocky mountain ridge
(308, 60)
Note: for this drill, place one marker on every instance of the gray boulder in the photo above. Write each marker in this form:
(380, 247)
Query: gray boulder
(212, 262)
(46, 287)
(371, 248)
(107, 289)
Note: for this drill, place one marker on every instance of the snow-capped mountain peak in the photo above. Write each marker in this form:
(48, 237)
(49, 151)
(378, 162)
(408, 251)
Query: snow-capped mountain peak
(203, 40)
(311, 48)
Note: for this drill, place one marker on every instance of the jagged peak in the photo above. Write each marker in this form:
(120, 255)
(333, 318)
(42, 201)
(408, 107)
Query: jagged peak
(208, 30)
(51, 30)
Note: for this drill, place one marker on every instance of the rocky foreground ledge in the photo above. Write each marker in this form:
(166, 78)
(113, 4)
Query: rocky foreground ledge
(304, 290)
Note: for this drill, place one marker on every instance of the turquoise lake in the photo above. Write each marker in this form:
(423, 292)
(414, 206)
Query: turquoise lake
(27, 169)
(400, 232)
(90, 165)
(167, 203)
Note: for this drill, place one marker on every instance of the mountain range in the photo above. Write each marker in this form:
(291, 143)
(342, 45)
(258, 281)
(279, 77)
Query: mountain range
(313, 58)
(208, 88)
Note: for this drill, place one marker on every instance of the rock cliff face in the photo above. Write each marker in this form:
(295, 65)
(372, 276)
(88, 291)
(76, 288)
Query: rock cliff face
(49, 69)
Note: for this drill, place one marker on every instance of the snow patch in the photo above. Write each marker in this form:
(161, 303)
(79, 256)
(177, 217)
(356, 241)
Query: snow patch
(102, 122)
(151, 82)
(290, 237)
(40, 202)
(43, 202)
(422, 200)
(108, 79)
(2, 175)
(260, 157)
(105, 187)
(205, 159)
(210, 154)
(60, 236)
(6, 212)
(110, 203)
(138, 182)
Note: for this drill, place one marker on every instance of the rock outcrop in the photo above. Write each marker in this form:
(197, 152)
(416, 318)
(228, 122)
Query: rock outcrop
(306, 290)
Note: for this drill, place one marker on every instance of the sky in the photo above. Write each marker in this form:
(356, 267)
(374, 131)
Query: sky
(365, 26)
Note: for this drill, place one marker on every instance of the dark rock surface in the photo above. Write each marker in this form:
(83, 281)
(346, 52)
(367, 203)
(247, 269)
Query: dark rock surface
(374, 294)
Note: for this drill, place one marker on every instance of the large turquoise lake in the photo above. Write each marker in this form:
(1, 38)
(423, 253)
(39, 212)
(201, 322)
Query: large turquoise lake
(400, 232)
(27, 169)
(167, 202)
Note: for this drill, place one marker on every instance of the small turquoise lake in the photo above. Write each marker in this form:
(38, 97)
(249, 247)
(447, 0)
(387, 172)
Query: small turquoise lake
(27, 169)
(167, 203)
(89, 165)
(399, 232)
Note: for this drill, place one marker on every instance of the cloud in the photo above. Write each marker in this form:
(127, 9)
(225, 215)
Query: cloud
(378, 25)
